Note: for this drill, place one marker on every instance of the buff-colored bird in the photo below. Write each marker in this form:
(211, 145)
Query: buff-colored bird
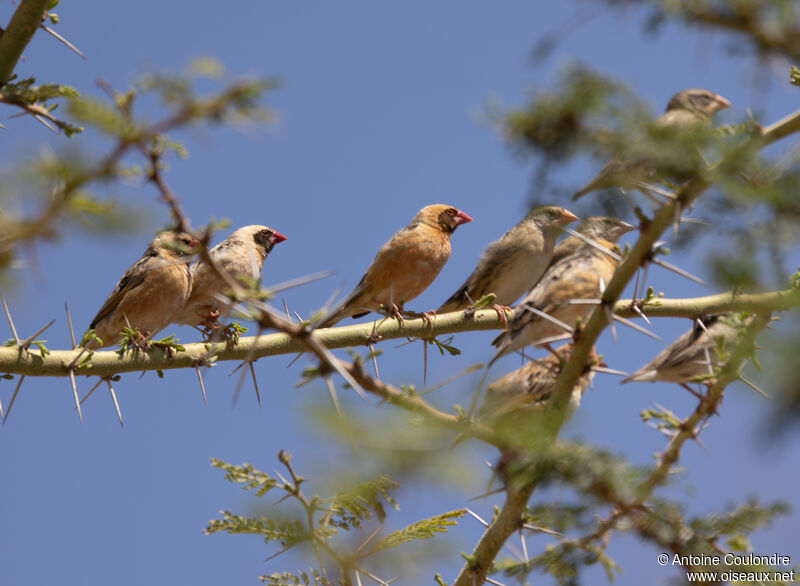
(404, 266)
(523, 393)
(241, 255)
(151, 293)
(685, 110)
(575, 273)
(696, 354)
(513, 264)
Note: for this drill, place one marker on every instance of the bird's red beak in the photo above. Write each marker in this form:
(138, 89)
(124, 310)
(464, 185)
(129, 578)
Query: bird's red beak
(721, 103)
(276, 237)
(461, 218)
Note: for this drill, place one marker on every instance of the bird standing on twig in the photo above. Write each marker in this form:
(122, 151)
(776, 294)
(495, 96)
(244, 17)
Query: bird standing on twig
(696, 354)
(686, 110)
(404, 266)
(241, 255)
(578, 272)
(151, 293)
(513, 263)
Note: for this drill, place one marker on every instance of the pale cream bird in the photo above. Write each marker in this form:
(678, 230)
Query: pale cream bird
(241, 256)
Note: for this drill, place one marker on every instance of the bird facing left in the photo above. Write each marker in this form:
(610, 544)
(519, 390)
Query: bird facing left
(151, 293)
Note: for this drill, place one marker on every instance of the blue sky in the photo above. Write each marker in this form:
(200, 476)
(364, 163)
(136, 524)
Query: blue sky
(382, 110)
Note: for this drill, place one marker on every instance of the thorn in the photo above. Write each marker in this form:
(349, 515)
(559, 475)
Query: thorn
(301, 281)
(255, 383)
(584, 301)
(637, 327)
(25, 344)
(286, 309)
(424, 362)
(75, 394)
(114, 400)
(63, 40)
(548, 317)
(493, 581)
(374, 361)
(10, 321)
(481, 521)
(336, 405)
(46, 123)
(358, 579)
(641, 314)
(591, 242)
(609, 370)
(13, 396)
(239, 384)
(676, 221)
(524, 546)
(86, 396)
(476, 395)
(610, 319)
(679, 271)
(537, 529)
(202, 386)
(636, 287)
(466, 371)
(752, 385)
(69, 326)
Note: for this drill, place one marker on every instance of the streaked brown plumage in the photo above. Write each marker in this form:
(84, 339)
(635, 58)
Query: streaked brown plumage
(576, 272)
(696, 354)
(241, 255)
(512, 264)
(404, 266)
(522, 393)
(150, 293)
(685, 110)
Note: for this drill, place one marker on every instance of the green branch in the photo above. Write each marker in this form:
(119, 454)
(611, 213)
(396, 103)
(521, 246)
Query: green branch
(24, 23)
(109, 362)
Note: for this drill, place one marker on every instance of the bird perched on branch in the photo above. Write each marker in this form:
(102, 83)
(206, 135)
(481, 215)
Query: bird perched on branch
(697, 354)
(404, 266)
(241, 256)
(577, 272)
(151, 293)
(512, 264)
(524, 392)
(688, 109)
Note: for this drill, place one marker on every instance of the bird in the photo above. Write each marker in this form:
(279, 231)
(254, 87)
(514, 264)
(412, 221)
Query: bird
(696, 354)
(522, 393)
(150, 294)
(513, 263)
(686, 110)
(578, 271)
(241, 255)
(404, 266)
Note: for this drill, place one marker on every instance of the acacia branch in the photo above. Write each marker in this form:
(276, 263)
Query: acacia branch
(585, 337)
(109, 362)
(21, 28)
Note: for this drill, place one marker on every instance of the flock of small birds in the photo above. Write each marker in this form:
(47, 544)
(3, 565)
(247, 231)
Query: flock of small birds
(163, 288)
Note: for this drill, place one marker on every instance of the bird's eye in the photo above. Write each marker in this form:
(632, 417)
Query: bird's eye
(266, 233)
(451, 212)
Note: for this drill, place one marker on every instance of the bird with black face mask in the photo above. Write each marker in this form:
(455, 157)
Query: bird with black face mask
(241, 256)
(403, 267)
